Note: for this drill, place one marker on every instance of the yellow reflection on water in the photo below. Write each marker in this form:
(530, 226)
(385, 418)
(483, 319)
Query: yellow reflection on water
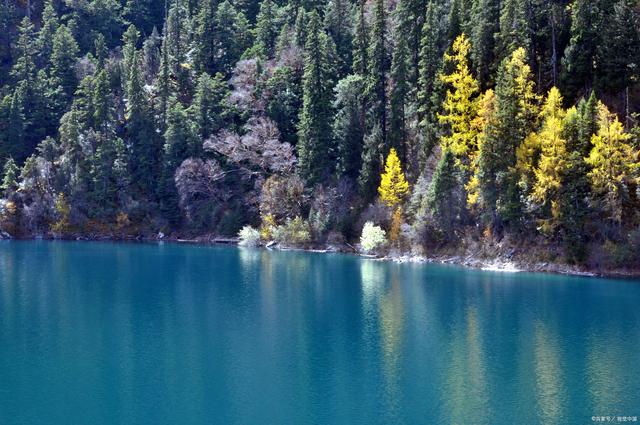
(467, 392)
(548, 375)
(391, 324)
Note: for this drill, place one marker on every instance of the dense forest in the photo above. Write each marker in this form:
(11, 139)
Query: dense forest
(433, 122)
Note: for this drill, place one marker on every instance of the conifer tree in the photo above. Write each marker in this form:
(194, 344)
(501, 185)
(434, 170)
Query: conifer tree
(24, 68)
(233, 37)
(485, 25)
(393, 186)
(373, 145)
(314, 131)
(338, 23)
(361, 44)
(63, 59)
(181, 142)
(266, 29)
(209, 108)
(49, 26)
(399, 98)
(10, 173)
(552, 164)
(513, 32)
(578, 60)
(618, 55)
(516, 117)
(460, 106)
(428, 95)
(139, 127)
(379, 57)
(175, 45)
(443, 199)
(614, 165)
(206, 36)
(349, 125)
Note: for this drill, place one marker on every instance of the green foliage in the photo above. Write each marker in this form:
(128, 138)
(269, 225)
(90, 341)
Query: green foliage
(443, 199)
(349, 124)
(295, 232)
(314, 131)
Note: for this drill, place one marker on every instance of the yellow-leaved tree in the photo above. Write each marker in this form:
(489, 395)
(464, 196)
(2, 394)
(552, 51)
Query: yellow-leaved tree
(393, 190)
(553, 158)
(614, 163)
(460, 107)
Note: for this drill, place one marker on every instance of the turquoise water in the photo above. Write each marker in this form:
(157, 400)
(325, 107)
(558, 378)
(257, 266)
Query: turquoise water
(101, 333)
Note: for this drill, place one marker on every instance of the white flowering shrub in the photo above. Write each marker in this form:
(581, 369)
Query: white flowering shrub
(372, 237)
(249, 236)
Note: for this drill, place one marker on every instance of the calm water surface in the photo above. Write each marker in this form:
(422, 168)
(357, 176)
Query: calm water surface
(98, 333)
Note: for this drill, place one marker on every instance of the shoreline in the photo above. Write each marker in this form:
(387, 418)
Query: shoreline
(496, 263)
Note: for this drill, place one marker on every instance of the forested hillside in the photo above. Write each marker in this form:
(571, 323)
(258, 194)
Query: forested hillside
(441, 121)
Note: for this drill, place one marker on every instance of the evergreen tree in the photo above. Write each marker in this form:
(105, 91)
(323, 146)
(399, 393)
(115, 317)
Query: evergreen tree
(428, 96)
(9, 178)
(443, 199)
(285, 95)
(139, 128)
(49, 27)
(300, 27)
(175, 57)
(573, 208)
(515, 118)
(485, 25)
(361, 44)
(266, 28)
(209, 107)
(578, 61)
(151, 57)
(129, 53)
(371, 161)
(24, 68)
(233, 37)
(63, 60)
(181, 142)
(513, 32)
(206, 36)
(378, 75)
(399, 98)
(618, 56)
(338, 23)
(314, 131)
(349, 125)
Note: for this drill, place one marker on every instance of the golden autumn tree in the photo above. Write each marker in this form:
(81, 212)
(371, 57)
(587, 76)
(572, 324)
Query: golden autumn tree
(460, 107)
(614, 163)
(393, 189)
(553, 157)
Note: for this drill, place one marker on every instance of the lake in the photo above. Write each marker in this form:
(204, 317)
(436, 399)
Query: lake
(106, 333)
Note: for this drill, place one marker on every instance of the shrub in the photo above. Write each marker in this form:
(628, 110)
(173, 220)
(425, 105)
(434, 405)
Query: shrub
(249, 236)
(267, 227)
(373, 237)
(63, 211)
(282, 197)
(294, 232)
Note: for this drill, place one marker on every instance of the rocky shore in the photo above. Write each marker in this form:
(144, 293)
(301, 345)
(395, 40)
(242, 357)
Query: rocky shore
(509, 262)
